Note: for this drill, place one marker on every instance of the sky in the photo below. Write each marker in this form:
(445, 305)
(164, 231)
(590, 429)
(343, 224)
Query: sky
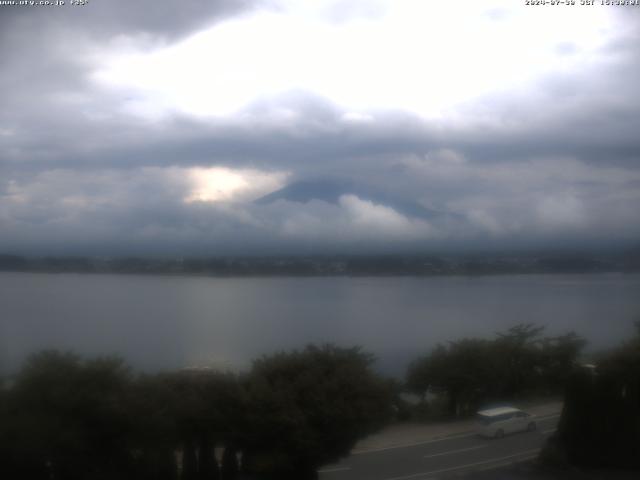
(214, 127)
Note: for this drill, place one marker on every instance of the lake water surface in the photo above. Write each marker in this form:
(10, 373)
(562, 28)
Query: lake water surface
(167, 322)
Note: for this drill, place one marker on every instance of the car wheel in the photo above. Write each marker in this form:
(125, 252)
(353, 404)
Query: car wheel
(499, 434)
(532, 427)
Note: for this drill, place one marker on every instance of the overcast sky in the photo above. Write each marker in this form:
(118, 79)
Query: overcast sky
(206, 127)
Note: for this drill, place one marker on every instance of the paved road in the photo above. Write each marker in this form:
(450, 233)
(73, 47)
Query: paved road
(441, 458)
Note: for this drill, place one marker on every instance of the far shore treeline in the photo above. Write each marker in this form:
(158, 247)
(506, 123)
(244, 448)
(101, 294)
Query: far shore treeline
(336, 265)
(65, 417)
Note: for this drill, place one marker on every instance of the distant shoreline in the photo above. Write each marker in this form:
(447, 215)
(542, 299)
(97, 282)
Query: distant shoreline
(326, 266)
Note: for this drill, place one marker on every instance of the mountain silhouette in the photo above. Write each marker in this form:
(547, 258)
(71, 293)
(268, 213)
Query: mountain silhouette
(331, 189)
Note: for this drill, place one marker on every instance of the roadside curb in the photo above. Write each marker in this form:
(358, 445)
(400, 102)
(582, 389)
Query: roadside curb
(526, 458)
(465, 433)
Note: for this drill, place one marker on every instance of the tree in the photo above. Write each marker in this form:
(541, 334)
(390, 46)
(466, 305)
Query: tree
(518, 358)
(196, 409)
(474, 371)
(309, 407)
(557, 359)
(463, 370)
(68, 419)
(229, 468)
(153, 405)
(600, 422)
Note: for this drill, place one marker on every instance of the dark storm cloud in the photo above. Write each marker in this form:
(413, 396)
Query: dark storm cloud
(107, 18)
(316, 139)
(591, 115)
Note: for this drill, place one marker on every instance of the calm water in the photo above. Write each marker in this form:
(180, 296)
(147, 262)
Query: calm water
(166, 322)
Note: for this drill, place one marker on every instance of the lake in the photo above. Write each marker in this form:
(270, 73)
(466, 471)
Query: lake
(159, 322)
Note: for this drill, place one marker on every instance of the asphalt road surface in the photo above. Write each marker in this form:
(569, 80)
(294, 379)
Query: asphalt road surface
(442, 458)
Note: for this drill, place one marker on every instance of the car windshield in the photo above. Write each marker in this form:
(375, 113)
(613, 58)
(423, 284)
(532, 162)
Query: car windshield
(484, 419)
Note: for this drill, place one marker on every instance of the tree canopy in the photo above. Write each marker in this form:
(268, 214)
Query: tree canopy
(600, 422)
(68, 418)
(473, 371)
(311, 406)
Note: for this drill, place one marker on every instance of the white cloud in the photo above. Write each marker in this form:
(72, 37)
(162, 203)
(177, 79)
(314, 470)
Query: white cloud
(380, 219)
(402, 54)
(351, 221)
(561, 211)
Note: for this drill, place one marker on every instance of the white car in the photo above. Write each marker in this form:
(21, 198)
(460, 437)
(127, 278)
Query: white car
(498, 422)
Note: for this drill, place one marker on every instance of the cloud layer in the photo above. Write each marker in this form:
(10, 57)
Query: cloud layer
(94, 162)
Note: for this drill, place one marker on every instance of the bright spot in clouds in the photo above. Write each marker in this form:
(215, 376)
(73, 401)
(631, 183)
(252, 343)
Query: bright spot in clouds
(403, 54)
(224, 184)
